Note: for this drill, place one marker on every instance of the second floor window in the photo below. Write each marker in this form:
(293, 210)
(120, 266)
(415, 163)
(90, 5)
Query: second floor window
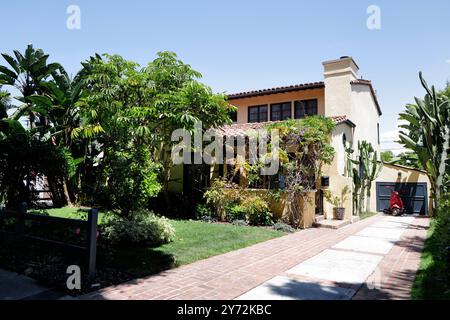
(257, 114)
(280, 111)
(305, 108)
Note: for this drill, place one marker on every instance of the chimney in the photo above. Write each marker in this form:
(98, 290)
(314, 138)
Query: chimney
(338, 75)
(344, 66)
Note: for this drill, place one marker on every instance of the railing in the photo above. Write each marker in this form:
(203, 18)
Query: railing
(89, 250)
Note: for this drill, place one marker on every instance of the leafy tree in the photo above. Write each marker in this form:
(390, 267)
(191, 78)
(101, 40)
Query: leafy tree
(147, 104)
(387, 156)
(408, 159)
(427, 134)
(179, 101)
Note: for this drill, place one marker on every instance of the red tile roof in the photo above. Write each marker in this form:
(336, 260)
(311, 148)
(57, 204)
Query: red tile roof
(300, 87)
(241, 129)
(296, 87)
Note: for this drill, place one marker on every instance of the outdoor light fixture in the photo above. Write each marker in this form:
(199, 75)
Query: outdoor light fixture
(325, 182)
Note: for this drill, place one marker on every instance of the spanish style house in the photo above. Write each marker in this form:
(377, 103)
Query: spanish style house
(353, 105)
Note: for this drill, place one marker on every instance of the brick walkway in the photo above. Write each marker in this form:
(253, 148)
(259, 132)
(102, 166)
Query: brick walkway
(230, 275)
(398, 269)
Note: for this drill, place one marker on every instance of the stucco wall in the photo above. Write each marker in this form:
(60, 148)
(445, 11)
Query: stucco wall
(365, 115)
(244, 103)
(336, 171)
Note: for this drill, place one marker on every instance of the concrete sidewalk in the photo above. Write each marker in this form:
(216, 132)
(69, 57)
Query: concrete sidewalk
(310, 264)
(14, 286)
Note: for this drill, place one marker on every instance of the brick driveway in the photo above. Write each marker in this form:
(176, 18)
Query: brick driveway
(229, 275)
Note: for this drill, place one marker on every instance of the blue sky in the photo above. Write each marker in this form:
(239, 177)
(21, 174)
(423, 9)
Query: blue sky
(242, 45)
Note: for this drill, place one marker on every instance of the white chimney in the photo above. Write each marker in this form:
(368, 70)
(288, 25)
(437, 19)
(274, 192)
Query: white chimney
(338, 76)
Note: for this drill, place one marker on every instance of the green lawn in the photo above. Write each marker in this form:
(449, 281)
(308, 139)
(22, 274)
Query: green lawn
(194, 241)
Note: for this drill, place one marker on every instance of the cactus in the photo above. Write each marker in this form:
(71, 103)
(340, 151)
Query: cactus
(363, 172)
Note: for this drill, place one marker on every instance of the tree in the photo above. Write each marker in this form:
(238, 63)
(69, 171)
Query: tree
(5, 103)
(179, 102)
(427, 134)
(408, 159)
(26, 73)
(387, 156)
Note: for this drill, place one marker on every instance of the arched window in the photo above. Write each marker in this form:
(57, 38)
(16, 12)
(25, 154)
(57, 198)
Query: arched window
(344, 140)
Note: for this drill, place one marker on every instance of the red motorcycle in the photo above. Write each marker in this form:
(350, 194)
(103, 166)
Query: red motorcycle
(396, 206)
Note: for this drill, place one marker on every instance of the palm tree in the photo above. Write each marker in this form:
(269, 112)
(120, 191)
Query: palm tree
(26, 73)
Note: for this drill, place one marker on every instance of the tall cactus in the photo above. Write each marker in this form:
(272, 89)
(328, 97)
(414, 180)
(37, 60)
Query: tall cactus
(363, 171)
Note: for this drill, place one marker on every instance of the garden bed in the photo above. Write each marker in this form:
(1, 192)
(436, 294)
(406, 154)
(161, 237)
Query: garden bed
(194, 241)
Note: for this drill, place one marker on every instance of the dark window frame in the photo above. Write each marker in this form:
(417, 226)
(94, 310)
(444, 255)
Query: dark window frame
(259, 118)
(282, 115)
(301, 115)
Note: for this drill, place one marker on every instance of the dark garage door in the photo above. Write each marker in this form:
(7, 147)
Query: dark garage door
(414, 196)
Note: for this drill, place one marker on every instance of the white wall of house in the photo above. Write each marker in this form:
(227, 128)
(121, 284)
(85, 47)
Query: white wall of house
(365, 115)
(355, 101)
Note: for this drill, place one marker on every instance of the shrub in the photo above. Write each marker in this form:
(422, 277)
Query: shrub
(433, 278)
(204, 210)
(279, 226)
(236, 212)
(221, 195)
(257, 210)
(132, 179)
(141, 227)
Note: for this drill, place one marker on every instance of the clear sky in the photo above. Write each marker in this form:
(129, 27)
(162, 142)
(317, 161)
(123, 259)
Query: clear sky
(243, 45)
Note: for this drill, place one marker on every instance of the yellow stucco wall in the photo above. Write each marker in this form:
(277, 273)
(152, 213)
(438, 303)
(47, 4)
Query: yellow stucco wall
(336, 171)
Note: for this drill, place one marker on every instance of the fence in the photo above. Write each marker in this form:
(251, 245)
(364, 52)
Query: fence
(89, 250)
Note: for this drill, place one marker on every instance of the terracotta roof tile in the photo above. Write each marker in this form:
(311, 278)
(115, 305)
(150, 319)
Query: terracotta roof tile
(236, 130)
(262, 92)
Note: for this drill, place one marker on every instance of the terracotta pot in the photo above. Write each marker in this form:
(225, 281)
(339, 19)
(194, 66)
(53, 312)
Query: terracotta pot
(339, 213)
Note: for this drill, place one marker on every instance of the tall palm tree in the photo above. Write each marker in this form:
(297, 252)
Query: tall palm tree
(26, 73)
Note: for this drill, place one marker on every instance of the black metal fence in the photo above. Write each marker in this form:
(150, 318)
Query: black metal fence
(88, 249)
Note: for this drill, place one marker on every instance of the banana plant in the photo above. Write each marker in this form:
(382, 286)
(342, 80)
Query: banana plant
(26, 72)
(427, 133)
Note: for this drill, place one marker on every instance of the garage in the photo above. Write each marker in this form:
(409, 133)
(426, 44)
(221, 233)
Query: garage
(414, 196)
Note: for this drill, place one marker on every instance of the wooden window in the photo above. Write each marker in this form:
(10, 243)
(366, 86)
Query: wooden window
(257, 114)
(305, 108)
(280, 111)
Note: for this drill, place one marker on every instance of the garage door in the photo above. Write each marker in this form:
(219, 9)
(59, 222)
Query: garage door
(414, 196)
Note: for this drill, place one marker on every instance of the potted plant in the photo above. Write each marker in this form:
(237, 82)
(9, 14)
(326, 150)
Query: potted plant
(338, 202)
